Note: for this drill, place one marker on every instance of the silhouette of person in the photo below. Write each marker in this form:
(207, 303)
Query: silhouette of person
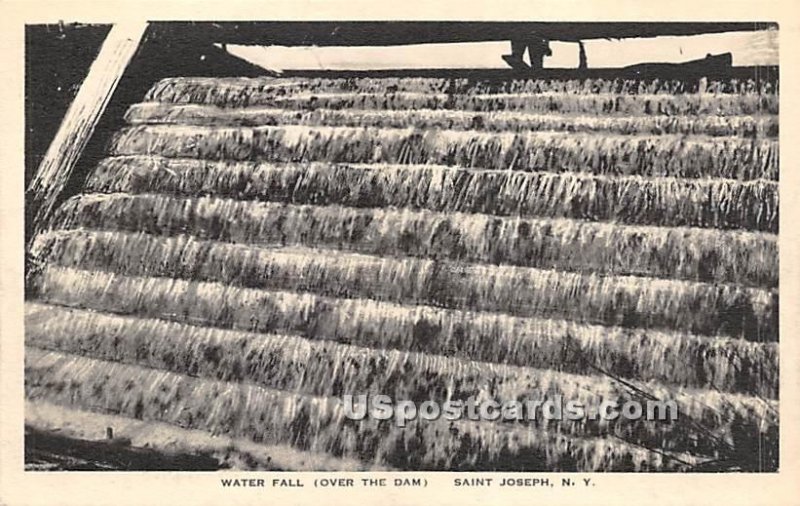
(537, 48)
(582, 64)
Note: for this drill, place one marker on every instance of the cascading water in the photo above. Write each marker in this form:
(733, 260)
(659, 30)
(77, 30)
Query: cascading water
(253, 250)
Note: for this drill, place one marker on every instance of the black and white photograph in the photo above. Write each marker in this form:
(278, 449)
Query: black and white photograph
(277, 257)
(408, 246)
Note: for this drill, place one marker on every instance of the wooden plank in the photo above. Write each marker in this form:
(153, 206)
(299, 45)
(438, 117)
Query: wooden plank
(81, 118)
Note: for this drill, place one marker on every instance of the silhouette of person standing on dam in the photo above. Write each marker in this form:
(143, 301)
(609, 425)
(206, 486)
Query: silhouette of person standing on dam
(537, 47)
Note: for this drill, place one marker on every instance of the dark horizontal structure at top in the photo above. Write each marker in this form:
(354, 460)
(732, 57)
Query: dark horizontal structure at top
(390, 33)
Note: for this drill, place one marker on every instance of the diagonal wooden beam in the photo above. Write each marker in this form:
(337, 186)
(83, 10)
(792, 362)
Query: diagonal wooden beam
(81, 119)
